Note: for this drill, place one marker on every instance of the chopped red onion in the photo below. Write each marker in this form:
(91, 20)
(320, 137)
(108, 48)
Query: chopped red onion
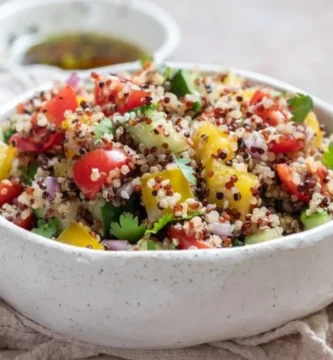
(116, 245)
(222, 229)
(52, 187)
(125, 191)
(255, 141)
(73, 80)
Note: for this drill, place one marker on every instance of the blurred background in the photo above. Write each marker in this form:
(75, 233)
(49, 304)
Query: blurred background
(287, 39)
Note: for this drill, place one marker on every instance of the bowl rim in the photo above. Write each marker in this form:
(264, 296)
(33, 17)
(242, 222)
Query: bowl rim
(147, 7)
(283, 243)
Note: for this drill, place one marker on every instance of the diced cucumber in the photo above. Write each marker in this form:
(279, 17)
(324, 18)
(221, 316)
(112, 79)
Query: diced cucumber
(263, 236)
(40, 213)
(148, 244)
(182, 83)
(144, 133)
(314, 220)
(104, 127)
(197, 106)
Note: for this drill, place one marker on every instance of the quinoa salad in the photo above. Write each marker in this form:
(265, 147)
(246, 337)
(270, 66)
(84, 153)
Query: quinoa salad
(164, 159)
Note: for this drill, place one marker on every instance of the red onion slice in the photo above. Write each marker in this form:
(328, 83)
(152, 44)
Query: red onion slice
(116, 245)
(125, 191)
(52, 187)
(73, 80)
(222, 229)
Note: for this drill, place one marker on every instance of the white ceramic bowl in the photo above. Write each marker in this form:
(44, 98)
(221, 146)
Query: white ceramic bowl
(25, 23)
(168, 299)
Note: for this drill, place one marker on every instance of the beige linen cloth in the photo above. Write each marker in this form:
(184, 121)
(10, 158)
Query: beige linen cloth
(22, 339)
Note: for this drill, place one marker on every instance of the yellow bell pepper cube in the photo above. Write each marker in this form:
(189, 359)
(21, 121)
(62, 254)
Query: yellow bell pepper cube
(312, 122)
(179, 185)
(225, 198)
(209, 142)
(7, 155)
(78, 234)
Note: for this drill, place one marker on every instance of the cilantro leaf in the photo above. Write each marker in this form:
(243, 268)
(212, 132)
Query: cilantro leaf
(110, 213)
(187, 170)
(29, 173)
(159, 225)
(127, 228)
(168, 218)
(47, 228)
(104, 127)
(301, 105)
(328, 157)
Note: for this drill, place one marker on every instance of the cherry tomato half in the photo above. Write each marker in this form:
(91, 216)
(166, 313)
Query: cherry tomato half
(26, 223)
(101, 159)
(64, 100)
(287, 144)
(285, 174)
(9, 191)
(186, 240)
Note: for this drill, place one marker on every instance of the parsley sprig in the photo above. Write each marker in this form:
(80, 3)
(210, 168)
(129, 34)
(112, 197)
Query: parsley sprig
(128, 228)
(301, 105)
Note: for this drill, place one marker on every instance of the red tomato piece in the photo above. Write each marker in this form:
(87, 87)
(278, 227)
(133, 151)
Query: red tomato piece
(101, 159)
(26, 223)
(40, 142)
(257, 97)
(287, 144)
(64, 100)
(285, 174)
(273, 115)
(135, 98)
(9, 191)
(186, 240)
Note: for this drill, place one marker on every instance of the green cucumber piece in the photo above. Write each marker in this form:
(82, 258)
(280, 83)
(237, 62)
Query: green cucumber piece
(182, 83)
(148, 244)
(147, 110)
(144, 133)
(263, 236)
(314, 220)
(104, 127)
(40, 213)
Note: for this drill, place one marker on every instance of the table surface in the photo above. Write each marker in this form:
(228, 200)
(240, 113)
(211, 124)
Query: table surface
(286, 39)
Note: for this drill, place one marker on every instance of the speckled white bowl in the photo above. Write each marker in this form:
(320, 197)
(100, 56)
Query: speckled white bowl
(173, 298)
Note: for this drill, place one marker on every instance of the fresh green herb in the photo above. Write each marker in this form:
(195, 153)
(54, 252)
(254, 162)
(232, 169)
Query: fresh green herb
(159, 225)
(104, 127)
(328, 157)
(187, 170)
(144, 110)
(5, 135)
(237, 243)
(168, 218)
(146, 59)
(197, 106)
(301, 106)
(182, 83)
(29, 173)
(47, 228)
(148, 244)
(127, 228)
(110, 213)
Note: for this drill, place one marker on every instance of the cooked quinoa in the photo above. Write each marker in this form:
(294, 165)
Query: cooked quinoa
(165, 160)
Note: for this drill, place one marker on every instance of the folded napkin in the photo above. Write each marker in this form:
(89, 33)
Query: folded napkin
(23, 339)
